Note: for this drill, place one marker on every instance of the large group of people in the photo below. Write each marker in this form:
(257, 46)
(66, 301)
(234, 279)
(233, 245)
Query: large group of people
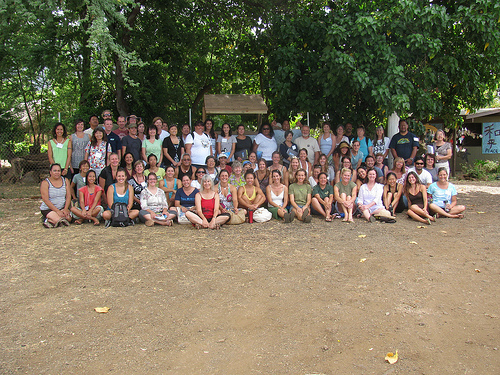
(155, 176)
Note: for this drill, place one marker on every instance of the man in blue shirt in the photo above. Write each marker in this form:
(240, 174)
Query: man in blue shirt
(404, 144)
(113, 138)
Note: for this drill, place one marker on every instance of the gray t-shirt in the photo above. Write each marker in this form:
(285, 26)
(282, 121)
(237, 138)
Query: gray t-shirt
(226, 144)
(78, 149)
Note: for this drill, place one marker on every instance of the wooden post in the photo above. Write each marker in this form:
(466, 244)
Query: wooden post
(392, 128)
(453, 161)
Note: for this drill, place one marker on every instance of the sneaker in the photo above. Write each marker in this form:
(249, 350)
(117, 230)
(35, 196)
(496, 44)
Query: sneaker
(308, 219)
(305, 213)
(287, 218)
(149, 223)
(372, 219)
(292, 216)
(47, 224)
(107, 223)
(64, 222)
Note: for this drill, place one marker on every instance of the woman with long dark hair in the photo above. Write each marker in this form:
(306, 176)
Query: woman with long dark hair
(416, 194)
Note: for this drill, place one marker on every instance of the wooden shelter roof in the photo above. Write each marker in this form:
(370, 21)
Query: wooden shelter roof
(234, 104)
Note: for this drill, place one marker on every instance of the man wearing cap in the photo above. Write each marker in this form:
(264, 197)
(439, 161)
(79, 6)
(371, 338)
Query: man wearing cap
(310, 144)
(223, 158)
(131, 143)
(122, 130)
(404, 144)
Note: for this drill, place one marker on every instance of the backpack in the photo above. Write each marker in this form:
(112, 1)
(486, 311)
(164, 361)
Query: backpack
(120, 215)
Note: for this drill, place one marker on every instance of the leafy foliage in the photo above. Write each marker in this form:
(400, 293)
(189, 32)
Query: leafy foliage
(361, 61)
(482, 170)
(339, 60)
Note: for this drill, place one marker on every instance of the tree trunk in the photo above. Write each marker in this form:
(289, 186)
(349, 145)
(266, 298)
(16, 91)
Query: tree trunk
(121, 103)
(86, 77)
(199, 96)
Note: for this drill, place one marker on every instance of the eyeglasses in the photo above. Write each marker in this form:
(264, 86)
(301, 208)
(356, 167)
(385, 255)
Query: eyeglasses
(419, 163)
(106, 115)
(266, 128)
(200, 172)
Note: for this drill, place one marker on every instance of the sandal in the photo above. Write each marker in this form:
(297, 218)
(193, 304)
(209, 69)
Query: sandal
(328, 218)
(47, 224)
(305, 213)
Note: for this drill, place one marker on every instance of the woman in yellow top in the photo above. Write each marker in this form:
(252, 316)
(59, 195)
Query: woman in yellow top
(250, 196)
(60, 149)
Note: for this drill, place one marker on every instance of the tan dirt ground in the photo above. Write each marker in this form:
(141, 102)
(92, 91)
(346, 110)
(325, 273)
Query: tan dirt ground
(251, 299)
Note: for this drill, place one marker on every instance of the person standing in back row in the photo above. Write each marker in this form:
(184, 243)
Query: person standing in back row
(404, 144)
(198, 145)
(310, 144)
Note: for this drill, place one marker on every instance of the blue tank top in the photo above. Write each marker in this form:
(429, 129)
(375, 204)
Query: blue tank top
(117, 198)
(175, 187)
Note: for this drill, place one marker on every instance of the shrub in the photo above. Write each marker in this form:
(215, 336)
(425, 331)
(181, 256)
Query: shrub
(482, 169)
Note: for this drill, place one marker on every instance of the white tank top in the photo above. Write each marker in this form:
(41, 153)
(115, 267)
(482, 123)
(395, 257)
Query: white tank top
(277, 199)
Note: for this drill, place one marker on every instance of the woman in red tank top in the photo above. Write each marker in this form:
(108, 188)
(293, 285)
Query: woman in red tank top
(207, 207)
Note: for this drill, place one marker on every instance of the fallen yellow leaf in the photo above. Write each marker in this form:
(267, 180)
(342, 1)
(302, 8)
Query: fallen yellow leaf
(486, 46)
(391, 357)
(478, 271)
(443, 231)
(421, 227)
(481, 212)
(413, 243)
(362, 260)
(102, 310)
(362, 236)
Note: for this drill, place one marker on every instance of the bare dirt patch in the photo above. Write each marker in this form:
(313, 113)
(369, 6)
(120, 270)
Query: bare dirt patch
(256, 298)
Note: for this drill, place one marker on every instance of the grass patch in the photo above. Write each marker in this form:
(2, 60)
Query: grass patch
(12, 191)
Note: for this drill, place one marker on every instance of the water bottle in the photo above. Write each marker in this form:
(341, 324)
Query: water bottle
(447, 209)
